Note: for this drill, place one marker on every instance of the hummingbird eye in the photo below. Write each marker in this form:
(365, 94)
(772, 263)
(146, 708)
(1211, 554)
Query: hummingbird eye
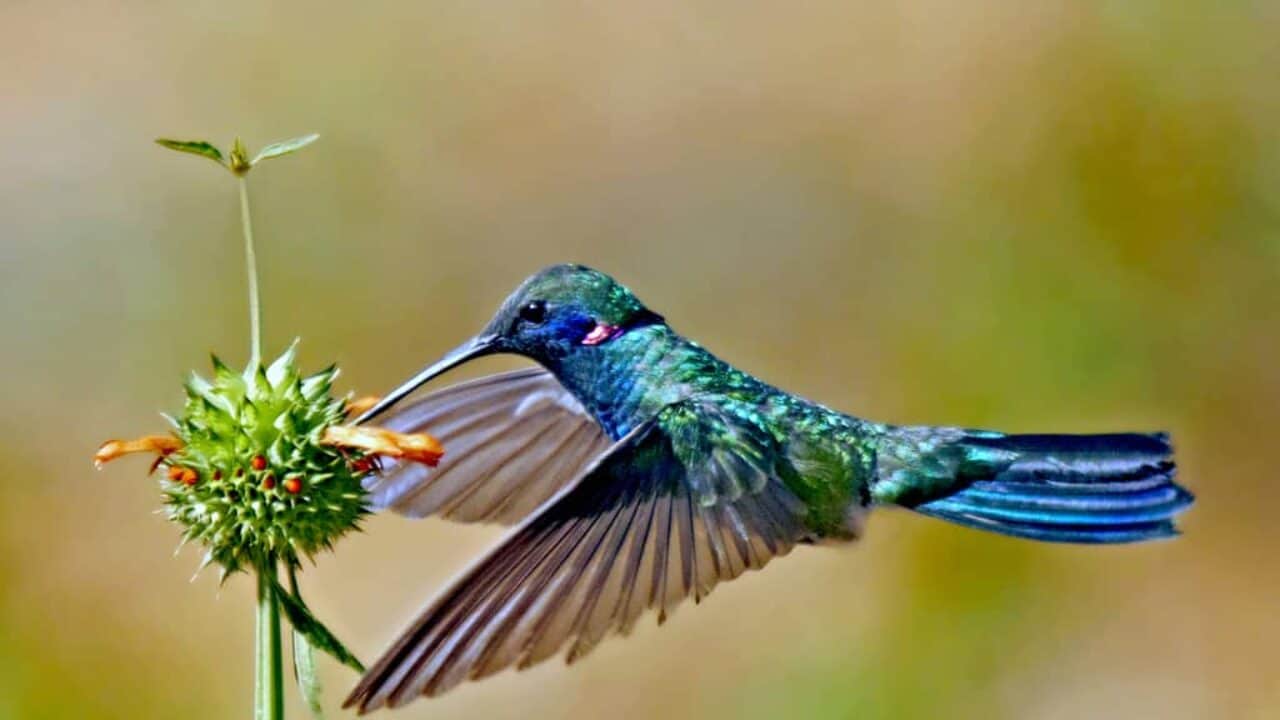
(534, 311)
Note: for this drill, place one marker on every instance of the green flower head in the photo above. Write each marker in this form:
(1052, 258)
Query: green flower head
(253, 479)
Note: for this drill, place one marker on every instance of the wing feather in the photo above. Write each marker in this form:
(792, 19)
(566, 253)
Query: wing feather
(511, 441)
(641, 528)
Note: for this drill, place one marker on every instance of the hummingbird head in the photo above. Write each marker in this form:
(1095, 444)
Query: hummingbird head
(560, 310)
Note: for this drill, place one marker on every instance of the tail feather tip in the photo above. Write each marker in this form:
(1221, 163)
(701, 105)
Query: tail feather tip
(1094, 489)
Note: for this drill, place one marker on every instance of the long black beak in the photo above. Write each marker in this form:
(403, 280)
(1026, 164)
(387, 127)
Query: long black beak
(473, 348)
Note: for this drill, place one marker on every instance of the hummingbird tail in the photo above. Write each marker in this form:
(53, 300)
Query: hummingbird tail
(1064, 488)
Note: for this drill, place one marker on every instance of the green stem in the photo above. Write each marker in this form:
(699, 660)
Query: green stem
(293, 579)
(251, 261)
(268, 701)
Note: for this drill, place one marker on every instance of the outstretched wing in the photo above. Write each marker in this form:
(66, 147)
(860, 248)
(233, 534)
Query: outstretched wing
(689, 499)
(511, 441)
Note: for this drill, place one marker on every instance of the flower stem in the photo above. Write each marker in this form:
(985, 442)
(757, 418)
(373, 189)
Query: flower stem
(268, 703)
(251, 263)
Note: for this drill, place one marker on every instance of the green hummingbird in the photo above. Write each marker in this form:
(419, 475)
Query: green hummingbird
(639, 469)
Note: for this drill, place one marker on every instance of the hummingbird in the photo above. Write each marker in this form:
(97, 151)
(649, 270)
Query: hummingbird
(638, 469)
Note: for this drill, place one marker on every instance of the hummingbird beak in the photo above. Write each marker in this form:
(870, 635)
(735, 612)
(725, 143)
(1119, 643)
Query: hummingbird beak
(473, 348)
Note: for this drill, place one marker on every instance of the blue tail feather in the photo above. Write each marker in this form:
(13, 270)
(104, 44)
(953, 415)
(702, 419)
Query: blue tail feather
(1065, 488)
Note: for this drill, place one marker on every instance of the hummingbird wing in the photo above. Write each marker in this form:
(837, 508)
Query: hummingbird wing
(691, 498)
(511, 441)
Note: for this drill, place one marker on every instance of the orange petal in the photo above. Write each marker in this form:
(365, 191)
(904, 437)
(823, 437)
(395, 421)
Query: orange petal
(418, 447)
(359, 405)
(159, 444)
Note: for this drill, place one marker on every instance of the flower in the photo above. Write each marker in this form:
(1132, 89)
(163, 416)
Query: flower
(418, 447)
(162, 445)
(260, 467)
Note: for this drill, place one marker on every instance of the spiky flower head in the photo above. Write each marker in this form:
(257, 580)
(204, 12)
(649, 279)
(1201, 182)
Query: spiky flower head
(253, 479)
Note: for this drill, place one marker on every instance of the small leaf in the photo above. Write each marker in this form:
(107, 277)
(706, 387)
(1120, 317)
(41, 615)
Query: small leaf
(261, 386)
(220, 370)
(195, 147)
(316, 386)
(198, 387)
(284, 147)
(287, 426)
(283, 365)
(304, 672)
(316, 633)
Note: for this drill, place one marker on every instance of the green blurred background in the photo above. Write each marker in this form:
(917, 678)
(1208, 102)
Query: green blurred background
(1035, 217)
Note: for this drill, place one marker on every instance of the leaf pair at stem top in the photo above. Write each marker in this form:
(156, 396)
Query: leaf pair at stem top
(237, 161)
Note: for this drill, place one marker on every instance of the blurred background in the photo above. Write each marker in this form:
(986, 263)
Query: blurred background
(1054, 216)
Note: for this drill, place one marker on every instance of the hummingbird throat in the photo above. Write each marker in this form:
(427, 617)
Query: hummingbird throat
(602, 332)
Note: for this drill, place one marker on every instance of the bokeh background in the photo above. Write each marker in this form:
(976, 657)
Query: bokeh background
(1054, 216)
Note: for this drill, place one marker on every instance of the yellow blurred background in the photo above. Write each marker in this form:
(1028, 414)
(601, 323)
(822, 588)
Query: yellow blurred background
(1030, 216)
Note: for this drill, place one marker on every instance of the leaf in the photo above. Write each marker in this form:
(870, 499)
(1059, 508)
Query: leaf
(261, 386)
(198, 387)
(304, 672)
(318, 385)
(317, 634)
(283, 365)
(195, 147)
(220, 370)
(284, 147)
